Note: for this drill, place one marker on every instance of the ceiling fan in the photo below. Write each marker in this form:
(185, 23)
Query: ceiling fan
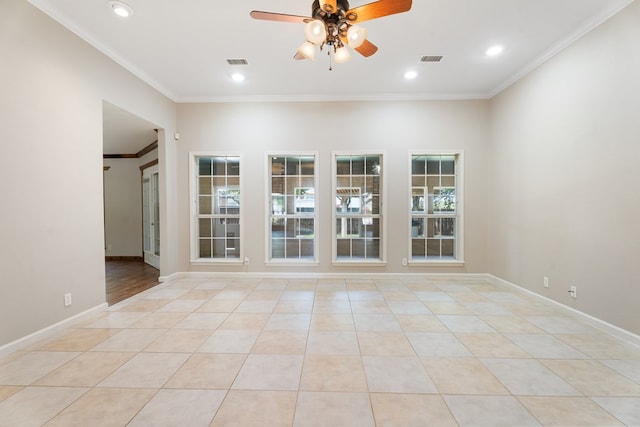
(333, 24)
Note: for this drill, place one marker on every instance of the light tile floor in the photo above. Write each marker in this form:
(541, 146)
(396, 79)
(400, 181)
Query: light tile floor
(274, 352)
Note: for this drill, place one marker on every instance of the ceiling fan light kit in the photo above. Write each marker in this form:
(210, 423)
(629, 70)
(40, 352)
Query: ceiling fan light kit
(308, 50)
(316, 31)
(332, 24)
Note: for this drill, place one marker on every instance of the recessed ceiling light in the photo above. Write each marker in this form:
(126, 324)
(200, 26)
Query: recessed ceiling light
(120, 8)
(410, 75)
(494, 50)
(237, 77)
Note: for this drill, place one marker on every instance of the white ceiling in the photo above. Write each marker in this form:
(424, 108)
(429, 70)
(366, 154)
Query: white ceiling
(181, 47)
(123, 132)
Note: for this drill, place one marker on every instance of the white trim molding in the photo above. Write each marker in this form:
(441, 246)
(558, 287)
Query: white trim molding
(51, 331)
(616, 331)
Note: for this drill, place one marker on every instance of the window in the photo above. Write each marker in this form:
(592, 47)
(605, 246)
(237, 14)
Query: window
(293, 207)
(435, 226)
(217, 207)
(358, 211)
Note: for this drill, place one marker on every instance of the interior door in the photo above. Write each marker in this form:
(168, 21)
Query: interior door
(151, 216)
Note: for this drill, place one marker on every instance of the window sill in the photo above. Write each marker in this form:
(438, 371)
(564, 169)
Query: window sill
(216, 261)
(436, 263)
(358, 263)
(290, 263)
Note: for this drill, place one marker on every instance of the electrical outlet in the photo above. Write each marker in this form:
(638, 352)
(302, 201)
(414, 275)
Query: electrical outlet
(545, 282)
(573, 291)
(67, 300)
(404, 262)
(246, 260)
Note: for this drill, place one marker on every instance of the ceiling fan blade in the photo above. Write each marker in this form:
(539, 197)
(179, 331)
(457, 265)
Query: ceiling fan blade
(329, 6)
(367, 48)
(379, 8)
(280, 17)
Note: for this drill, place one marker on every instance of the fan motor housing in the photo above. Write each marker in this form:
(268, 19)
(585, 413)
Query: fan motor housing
(318, 13)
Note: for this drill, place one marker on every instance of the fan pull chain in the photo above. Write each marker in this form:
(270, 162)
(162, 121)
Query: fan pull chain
(330, 62)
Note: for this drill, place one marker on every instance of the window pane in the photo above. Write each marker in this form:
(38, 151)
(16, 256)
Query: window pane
(277, 185)
(219, 248)
(233, 166)
(219, 166)
(447, 227)
(292, 166)
(204, 166)
(293, 248)
(204, 229)
(418, 248)
(204, 205)
(205, 248)
(277, 248)
(344, 248)
(357, 165)
(277, 227)
(448, 165)
(372, 227)
(418, 181)
(418, 166)
(418, 199)
(307, 166)
(433, 248)
(277, 165)
(433, 166)
(417, 227)
(306, 249)
(343, 165)
(447, 248)
(277, 204)
(373, 248)
(204, 185)
(444, 200)
(448, 181)
(357, 248)
(305, 228)
(373, 165)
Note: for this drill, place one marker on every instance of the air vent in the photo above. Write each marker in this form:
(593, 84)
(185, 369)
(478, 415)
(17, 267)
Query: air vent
(237, 62)
(432, 58)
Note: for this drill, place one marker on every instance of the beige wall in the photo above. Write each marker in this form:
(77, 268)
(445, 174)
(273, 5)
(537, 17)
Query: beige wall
(395, 128)
(53, 85)
(564, 170)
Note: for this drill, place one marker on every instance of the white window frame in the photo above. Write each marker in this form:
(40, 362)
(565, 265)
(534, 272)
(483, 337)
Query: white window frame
(382, 260)
(458, 251)
(269, 209)
(193, 209)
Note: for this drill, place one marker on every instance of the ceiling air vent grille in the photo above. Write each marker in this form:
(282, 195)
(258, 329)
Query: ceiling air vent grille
(431, 58)
(237, 62)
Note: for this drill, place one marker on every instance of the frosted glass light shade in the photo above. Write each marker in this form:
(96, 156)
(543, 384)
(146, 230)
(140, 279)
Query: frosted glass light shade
(316, 31)
(342, 55)
(356, 35)
(308, 50)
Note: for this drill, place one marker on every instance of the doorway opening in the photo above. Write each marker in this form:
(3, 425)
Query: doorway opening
(131, 204)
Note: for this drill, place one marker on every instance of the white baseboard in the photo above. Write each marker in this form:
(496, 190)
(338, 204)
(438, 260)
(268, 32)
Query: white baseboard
(50, 331)
(616, 331)
(301, 275)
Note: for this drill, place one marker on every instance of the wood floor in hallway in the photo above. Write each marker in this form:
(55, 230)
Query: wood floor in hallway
(128, 278)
